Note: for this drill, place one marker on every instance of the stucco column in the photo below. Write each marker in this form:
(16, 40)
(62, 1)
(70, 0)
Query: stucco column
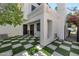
(61, 20)
(43, 32)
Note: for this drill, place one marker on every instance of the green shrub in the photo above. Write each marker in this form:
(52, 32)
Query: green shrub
(32, 50)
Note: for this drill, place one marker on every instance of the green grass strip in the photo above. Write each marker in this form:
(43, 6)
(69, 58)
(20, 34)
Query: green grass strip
(56, 44)
(13, 43)
(48, 50)
(18, 50)
(75, 51)
(24, 43)
(66, 44)
(35, 43)
(47, 53)
(76, 44)
(6, 42)
(62, 51)
(32, 50)
(5, 49)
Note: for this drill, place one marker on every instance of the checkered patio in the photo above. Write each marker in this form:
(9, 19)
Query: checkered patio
(19, 46)
(16, 46)
(62, 48)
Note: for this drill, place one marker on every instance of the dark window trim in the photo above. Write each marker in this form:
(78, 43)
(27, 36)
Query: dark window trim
(39, 3)
(33, 7)
(38, 26)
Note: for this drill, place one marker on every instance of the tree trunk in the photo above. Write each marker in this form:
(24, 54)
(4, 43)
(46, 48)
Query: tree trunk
(77, 33)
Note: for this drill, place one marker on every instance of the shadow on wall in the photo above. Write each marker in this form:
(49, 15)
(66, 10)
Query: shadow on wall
(3, 36)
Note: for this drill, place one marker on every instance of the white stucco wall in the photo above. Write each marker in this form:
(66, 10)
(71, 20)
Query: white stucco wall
(11, 30)
(61, 20)
(26, 10)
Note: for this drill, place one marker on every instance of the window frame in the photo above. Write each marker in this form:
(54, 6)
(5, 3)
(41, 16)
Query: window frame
(38, 26)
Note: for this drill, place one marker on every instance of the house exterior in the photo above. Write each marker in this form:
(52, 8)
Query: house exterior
(40, 21)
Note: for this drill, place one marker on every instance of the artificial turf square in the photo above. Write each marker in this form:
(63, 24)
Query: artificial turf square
(56, 44)
(6, 42)
(75, 51)
(17, 42)
(45, 52)
(32, 50)
(24, 43)
(76, 44)
(5, 49)
(50, 51)
(69, 45)
(23, 40)
(18, 50)
(1, 41)
(62, 51)
(35, 43)
(0, 44)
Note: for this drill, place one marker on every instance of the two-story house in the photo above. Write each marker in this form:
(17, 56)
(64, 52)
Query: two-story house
(40, 21)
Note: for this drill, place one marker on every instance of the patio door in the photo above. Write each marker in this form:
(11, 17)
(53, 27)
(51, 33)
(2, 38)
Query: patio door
(32, 29)
(25, 29)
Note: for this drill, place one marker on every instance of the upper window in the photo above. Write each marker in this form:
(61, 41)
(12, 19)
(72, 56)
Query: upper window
(38, 3)
(33, 7)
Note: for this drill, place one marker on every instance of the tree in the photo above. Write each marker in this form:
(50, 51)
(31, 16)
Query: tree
(74, 18)
(11, 14)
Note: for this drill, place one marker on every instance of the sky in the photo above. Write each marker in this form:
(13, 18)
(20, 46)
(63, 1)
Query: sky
(68, 5)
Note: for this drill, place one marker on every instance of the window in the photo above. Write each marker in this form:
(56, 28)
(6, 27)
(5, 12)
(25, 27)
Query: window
(38, 26)
(38, 3)
(33, 7)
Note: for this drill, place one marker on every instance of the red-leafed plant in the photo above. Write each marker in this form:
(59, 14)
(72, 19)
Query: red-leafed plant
(74, 18)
